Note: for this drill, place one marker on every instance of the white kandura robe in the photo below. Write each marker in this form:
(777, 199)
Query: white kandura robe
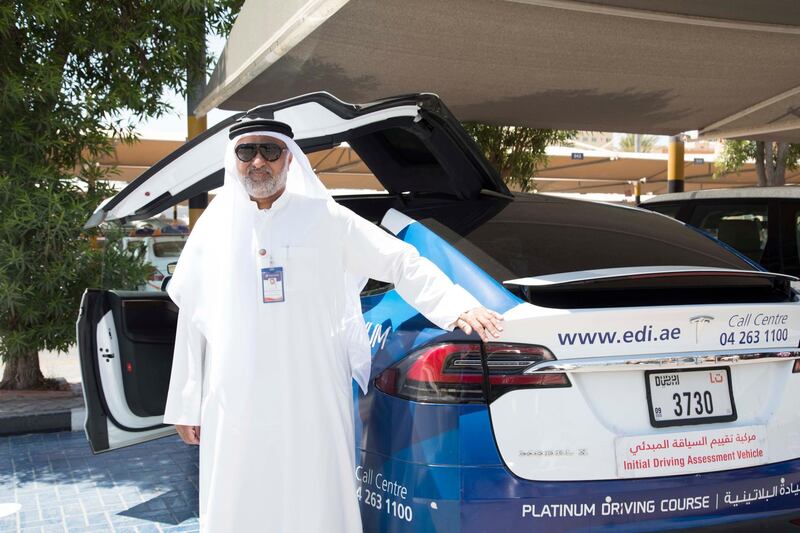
(277, 440)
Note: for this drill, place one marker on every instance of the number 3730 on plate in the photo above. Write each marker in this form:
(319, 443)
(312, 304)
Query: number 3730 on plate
(692, 396)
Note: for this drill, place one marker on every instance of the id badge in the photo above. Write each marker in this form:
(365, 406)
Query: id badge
(272, 285)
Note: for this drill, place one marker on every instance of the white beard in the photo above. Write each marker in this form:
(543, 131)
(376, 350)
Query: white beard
(264, 188)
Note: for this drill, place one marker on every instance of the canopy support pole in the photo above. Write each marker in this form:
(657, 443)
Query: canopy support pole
(197, 204)
(195, 82)
(675, 165)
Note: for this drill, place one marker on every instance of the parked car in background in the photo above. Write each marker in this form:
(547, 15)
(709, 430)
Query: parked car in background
(160, 251)
(156, 226)
(763, 223)
(647, 377)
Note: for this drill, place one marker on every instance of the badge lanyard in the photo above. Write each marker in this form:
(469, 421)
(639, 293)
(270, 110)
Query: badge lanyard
(272, 289)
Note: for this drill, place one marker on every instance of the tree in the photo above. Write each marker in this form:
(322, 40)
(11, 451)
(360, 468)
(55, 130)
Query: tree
(516, 152)
(647, 143)
(70, 72)
(46, 263)
(772, 160)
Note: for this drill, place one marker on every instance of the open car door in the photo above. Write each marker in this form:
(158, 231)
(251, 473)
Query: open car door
(125, 341)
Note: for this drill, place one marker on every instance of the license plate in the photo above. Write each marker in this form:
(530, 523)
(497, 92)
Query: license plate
(686, 397)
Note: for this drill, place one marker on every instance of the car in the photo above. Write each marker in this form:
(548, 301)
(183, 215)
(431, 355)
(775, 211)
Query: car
(763, 223)
(160, 251)
(647, 377)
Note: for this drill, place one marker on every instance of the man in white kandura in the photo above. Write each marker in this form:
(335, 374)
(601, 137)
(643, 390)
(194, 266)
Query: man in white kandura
(270, 334)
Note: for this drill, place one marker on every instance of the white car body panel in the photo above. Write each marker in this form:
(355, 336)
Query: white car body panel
(311, 119)
(577, 432)
(108, 363)
(308, 120)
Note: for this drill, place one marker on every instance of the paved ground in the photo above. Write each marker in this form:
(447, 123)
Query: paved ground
(62, 487)
(31, 411)
(29, 402)
(34, 411)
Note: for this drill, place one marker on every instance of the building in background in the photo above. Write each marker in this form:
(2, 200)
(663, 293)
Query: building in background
(595, 139)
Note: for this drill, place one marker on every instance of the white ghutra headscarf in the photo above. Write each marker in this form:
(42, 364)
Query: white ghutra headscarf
(213, 280)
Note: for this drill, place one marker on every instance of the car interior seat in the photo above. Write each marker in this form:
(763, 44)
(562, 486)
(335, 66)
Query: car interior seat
(744, 235)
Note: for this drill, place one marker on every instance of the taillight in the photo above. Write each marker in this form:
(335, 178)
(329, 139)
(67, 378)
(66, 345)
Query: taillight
(453, 373)
(156, 275)
(796, 367)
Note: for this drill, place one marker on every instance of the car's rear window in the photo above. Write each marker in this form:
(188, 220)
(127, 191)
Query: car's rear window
(671, 210)
(168, 249)
(539, 235)
(741, 225)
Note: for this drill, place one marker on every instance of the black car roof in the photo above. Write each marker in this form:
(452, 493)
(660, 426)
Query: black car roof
(738, 193)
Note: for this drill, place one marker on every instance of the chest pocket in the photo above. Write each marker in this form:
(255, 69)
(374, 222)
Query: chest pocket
(301, 267)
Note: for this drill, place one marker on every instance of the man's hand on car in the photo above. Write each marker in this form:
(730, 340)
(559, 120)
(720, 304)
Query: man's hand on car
(483, 321)
(189, 434)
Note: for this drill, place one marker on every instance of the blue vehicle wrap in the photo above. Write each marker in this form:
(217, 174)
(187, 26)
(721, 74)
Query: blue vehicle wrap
(459, 268)
(436, 468)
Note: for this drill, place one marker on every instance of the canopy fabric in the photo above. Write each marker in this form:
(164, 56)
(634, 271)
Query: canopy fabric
(725, 67)
(600, 171)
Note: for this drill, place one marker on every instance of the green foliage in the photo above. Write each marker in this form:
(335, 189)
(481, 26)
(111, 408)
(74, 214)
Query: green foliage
(121, 268)
(47, 261)
(41, 256)
(516, 152)
(793, 157)
(647, 143)
(735, 153)
(70, 70)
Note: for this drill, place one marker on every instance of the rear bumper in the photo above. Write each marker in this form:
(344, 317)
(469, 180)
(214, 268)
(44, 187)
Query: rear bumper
(483, 499)
(658, 504)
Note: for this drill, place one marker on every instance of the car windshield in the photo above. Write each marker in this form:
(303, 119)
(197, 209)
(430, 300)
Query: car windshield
(540, 235)
(168, 248)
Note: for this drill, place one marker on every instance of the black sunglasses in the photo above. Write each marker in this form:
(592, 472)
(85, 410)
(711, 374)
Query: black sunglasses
(269, 151)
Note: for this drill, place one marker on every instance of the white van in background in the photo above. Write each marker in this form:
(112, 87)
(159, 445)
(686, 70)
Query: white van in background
(160, 251)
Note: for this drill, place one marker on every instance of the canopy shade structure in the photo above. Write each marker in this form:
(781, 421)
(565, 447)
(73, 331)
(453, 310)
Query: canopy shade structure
(129, 160)
(599, 171)
(728, 68)
(614, 172)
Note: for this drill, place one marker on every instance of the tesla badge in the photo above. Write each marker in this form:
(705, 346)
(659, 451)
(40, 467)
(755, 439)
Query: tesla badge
(699, 322)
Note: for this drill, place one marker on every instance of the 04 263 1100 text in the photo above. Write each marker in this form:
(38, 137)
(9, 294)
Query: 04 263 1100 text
(753, 336)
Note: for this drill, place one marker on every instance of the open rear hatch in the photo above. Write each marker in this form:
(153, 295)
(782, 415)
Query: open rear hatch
(412, 144)
(668, 371)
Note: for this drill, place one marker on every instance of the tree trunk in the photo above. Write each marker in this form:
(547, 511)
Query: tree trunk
(769, 162)
(780, 164)
(760, 167)
(23, 372)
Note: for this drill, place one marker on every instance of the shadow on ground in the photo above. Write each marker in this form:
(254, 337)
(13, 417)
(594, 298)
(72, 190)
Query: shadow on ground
(61, 486)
